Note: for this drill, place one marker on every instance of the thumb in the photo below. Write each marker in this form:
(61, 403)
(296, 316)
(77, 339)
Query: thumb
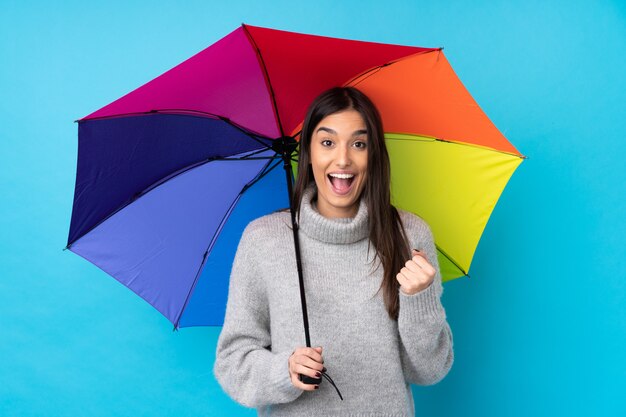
(318, 349)
(416, 252)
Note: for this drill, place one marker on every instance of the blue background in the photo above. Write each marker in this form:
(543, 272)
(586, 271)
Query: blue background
(539, 329)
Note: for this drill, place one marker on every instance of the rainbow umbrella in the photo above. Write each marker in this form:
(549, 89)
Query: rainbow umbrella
(169, 174)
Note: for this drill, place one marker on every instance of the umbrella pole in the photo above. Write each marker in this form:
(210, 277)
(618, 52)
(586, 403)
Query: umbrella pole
(286, 147)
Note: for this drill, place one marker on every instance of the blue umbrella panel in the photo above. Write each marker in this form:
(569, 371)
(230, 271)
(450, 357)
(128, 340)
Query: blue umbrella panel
(161, 201)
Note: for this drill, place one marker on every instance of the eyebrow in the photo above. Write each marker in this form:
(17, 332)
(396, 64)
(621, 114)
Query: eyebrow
(332, 132)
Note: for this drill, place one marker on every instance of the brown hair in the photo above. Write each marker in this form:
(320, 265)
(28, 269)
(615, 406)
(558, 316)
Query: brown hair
(386, 233)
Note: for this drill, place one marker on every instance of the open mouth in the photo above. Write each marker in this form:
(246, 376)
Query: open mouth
(341, 183)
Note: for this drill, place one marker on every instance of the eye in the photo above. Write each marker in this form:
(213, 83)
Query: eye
(360, 144)
(326, 142)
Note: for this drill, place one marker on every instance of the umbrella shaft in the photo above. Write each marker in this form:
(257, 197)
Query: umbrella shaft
(294, 227)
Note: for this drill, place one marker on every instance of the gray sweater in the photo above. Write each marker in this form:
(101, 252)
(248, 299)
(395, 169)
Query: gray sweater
(371, 358)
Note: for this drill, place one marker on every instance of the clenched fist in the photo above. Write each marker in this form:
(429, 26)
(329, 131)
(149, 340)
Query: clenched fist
(416, 275)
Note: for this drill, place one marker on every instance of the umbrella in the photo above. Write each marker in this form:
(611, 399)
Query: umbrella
(169, 174)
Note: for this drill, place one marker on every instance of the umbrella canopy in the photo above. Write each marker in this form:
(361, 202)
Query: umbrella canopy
(169, 174)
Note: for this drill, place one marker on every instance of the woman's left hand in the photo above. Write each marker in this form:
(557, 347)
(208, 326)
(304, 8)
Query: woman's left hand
(416, 275)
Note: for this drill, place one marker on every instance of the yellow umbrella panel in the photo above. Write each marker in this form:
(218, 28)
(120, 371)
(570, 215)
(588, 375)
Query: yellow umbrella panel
(454, 187)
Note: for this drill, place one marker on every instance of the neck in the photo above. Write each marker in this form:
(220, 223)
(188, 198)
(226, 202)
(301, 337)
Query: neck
(337, 230)
(335, 213)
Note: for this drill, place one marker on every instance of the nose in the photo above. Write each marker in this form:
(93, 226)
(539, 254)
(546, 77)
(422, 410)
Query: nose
(343, 157)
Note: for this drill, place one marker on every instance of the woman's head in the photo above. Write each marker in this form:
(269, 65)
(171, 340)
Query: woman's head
(355, 121)
(342, 150)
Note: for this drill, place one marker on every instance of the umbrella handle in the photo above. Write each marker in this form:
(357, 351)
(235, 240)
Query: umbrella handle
(309, 380)
(305, 379)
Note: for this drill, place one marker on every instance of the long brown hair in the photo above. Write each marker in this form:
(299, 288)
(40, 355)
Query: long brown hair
(386, 233)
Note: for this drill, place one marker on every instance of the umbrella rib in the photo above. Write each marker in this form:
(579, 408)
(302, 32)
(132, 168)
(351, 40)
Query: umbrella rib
(165, 179)
(365, 75)
(251, 135)
(267, 78)
(265, 171)
(243, 158)
(452, 260)
(197, 164)
(369, 72)
(421, 138)
(250, 155)
(204, 258)
(187, 112)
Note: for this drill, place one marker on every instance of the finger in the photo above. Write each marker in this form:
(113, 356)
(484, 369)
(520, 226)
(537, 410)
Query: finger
(308, 353)
(405, 285)
(309, 363)
(318, 357)
(412, 266)
(416, 252)
(430, 270)
(425, 274)
(419, 259)
(296, 367)
(408, 275)
(313, 353)
(308, 350)
(402, 280)
(303, 370)
(414, 277)
(424, 265)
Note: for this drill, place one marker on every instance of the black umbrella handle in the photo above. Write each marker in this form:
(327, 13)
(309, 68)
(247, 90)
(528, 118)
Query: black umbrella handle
(308, 380)
(305, 379)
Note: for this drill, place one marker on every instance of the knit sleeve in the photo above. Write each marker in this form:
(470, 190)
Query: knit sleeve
(426, 339)
(245, 366)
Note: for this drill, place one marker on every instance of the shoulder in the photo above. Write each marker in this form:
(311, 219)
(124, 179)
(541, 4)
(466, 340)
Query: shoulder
(264, 237)
(264, 227)
(415, 226)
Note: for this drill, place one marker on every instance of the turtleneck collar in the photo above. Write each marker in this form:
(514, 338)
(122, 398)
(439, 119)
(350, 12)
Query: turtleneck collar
(331, 230)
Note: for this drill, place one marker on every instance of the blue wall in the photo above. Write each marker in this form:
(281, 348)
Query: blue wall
(539, 329)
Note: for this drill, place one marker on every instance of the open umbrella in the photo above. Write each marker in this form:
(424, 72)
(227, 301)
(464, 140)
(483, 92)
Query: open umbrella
(169, 174)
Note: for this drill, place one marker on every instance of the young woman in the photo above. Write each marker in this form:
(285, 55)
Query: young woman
(371, 275)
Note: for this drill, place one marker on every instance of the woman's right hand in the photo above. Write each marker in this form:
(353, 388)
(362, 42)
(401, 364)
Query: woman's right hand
(306, 361)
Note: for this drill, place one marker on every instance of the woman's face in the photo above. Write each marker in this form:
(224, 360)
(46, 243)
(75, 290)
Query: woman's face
(339, 146)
